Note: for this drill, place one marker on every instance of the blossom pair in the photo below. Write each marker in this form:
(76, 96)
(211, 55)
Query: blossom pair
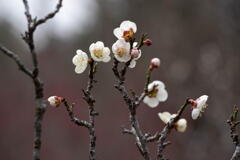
(122, 49)
(198, 106)
(99, 53)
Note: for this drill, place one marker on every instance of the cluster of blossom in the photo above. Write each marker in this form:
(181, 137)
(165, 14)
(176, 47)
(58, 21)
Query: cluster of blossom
(198, 107)
(125, 49)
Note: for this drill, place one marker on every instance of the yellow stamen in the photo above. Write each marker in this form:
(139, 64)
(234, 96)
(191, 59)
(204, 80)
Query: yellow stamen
(98, 53)
(120, 52)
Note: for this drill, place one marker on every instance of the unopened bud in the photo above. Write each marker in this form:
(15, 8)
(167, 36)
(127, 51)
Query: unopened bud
(135, 53)
(55, 101)
(181, 125)
(147, 42)
(155, 63)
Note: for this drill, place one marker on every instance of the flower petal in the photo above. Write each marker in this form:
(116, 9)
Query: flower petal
(165, 117)
(106, 59)
(158, 84)
(196, 113)
(127, 25)
(118, 32)
(151, 102)
(80, 68)
(132, 64)
(162, 95)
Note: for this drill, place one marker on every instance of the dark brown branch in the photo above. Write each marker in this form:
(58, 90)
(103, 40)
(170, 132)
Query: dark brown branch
(128, 131)
(141, 140)
(87, 96)
(92, 112)
(145, 91)
(233, 123)
(161, 144)
(77, 121)
(28, 37)
(153, 138)
(17, 60)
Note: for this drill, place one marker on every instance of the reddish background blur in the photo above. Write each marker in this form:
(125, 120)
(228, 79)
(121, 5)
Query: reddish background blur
(198, 44)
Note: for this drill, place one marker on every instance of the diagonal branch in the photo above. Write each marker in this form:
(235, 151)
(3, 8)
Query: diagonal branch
(17, 60)
(77, 121)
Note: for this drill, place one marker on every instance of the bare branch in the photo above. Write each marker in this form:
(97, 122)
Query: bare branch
(141, 141)
(128, 131)
(233, 123)
(72, 117)
(17, 60)
(28, 37)
(92, 112)
(50, 15)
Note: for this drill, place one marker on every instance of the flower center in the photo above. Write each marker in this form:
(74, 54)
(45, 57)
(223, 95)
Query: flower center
(120, 52)
(98, 53)
(127, 35)
(153, 93)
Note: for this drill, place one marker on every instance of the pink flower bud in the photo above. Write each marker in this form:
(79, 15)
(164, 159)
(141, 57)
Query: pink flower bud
(135, 53)
(155, 63)
(55, 101)
(147, 42)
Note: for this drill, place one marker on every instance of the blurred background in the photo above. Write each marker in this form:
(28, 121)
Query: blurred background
(198, 43)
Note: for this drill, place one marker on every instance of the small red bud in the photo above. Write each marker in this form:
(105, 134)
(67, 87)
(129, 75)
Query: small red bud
(147, 42)
(135, 53)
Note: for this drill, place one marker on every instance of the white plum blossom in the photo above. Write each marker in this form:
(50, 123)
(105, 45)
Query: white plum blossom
(99, 53)
(121, 50)
(55, 101)
(156, 93)
(126, 30)
(180, 125)
(198, 106)
(80, 60)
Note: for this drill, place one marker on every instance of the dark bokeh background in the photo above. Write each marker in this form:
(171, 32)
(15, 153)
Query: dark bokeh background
(198, 44)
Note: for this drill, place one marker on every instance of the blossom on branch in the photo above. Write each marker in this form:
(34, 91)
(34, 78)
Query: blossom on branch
(180, 125)
(99, 53)
(156, 93)
(126, 30)
(80, 60)
(198, 106)
(121, 50)
(155, 63)
(55, 101)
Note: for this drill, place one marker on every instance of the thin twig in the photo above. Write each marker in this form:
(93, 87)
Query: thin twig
(77, 121)
(233, 123)
(17, 60)
(28, 37)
